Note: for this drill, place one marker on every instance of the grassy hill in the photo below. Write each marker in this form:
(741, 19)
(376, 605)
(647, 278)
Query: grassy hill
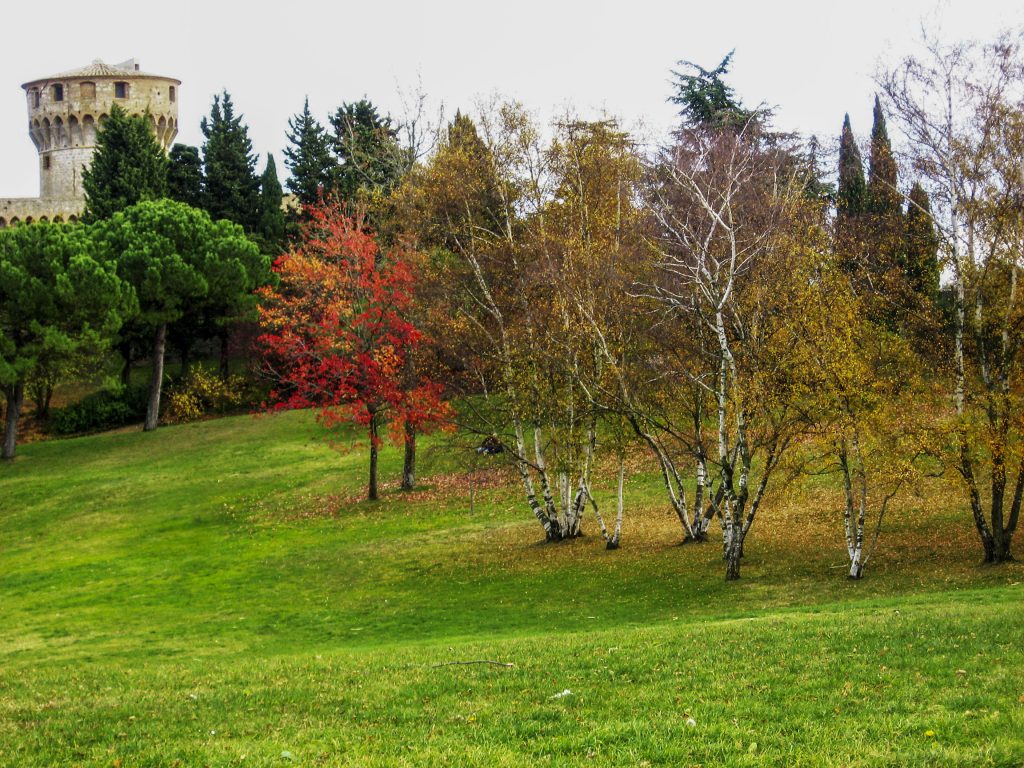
(218, 594)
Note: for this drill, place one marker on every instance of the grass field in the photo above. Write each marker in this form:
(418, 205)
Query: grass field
(218, 594)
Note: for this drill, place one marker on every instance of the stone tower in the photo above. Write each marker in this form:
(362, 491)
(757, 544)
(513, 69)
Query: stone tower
(64, 112)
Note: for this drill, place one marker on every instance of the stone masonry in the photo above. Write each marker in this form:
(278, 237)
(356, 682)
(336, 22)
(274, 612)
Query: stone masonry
(64, 113)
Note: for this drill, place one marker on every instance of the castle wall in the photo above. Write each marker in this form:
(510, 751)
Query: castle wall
(25, 210)
(60, 173)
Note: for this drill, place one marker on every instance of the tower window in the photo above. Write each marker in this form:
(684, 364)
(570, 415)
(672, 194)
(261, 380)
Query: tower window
(121, 90)
(58, 93)
(36, 97)
(46, 162)
(172, 93)
(88, 90)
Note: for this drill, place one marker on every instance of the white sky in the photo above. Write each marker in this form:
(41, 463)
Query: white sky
(814, 60)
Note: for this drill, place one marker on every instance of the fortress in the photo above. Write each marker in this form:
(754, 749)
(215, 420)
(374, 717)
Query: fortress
(64, 113)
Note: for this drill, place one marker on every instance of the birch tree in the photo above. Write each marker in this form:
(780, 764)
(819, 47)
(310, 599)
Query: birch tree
(728, 207)
(958, 106)
(868, 404)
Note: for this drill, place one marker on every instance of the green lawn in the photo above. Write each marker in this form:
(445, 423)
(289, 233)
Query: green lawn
(218, 594)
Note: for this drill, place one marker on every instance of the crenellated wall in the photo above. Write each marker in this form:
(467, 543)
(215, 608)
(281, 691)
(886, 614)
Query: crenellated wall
(25, 210)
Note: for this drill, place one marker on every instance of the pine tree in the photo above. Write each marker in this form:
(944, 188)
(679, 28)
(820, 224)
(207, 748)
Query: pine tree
(813, 178)
(185, 175)
(366, 145)
(271, 229)
(921, 266)
(309, 158)
(232, 188)
(129, 165)
(850, 202)
(705, 100)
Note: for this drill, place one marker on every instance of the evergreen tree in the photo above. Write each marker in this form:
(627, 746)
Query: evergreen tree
(369, 155)
(882, 226)
(185, 175)
(883, 196)
(271, 229)
(309, 158)
(921, 266)
(232, 188)
(129, 165)
(850, 202)
(705, 100)
(58, 301)
(815, 185)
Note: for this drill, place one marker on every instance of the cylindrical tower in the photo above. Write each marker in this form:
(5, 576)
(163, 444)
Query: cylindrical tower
(65, 110)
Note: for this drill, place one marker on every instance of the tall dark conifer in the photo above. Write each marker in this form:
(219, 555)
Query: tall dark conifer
(185, 175)
(883, 195)
(271, 229)
(850, 197)
(366, 145)
(231, 189)
(309, 158)
(129, 166)
(921, 265)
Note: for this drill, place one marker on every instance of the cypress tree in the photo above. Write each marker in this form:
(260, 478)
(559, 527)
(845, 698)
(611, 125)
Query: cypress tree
(271, 227)
(129, 165)
(309, 158)
(232, 188)
(850, 198)
(883, 225)
(921, 266)
(883, 196)
(185, 175)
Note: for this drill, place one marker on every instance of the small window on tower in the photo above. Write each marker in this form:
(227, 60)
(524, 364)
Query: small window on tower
(46, 162)
(58, 93)
(172, 93)
(35, 98)
(120, 90)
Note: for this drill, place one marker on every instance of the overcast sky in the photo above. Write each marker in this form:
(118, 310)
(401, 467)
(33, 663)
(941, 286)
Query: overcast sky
(813, 60)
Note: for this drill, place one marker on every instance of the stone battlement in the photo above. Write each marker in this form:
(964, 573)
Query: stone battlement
(18, 210)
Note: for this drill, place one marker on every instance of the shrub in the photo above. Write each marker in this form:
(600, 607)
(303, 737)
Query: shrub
(101, 410)
(201, 393)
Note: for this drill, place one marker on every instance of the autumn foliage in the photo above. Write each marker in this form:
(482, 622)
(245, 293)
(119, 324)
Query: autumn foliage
(338, 336)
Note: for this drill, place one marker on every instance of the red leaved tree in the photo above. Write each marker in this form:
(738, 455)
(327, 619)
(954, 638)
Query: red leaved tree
(337, 335)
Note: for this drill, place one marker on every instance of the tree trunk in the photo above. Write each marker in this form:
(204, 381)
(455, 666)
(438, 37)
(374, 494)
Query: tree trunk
(156, 380)
(409, 464)
(125, 348)
(225, 360)
(15, 399)
(371, 493)
(47, 397)
(997, 550)
(732, 562)
(552, 531)
(613, 542)
(856, 566)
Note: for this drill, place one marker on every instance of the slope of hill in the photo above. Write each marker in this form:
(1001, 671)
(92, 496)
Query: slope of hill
(217, 594)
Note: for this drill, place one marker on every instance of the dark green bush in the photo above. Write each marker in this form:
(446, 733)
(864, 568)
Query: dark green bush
(101, 410)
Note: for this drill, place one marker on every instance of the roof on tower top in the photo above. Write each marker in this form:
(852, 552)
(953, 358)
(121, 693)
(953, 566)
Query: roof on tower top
(100, 69)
